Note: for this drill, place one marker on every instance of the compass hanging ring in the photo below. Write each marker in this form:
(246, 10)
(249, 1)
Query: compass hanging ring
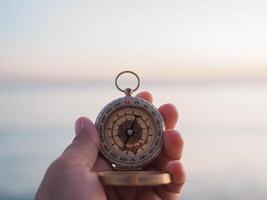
(127, 91)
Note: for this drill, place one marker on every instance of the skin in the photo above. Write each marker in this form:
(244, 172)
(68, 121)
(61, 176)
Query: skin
(73, 175)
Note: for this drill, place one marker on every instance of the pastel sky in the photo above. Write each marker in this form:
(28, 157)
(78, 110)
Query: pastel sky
(80, 40)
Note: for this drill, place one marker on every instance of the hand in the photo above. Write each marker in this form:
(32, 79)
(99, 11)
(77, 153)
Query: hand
(73, 175)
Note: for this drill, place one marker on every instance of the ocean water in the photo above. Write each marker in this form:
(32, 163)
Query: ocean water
(224, 127)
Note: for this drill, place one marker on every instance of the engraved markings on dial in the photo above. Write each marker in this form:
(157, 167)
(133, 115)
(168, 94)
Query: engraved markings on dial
(129, 131)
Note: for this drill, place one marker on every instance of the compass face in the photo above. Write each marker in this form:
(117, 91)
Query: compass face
(131, 132)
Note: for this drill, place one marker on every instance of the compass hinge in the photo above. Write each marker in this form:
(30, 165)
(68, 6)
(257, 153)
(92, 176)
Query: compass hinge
(128, 92)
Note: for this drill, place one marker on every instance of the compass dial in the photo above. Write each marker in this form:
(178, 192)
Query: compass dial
(131, 132)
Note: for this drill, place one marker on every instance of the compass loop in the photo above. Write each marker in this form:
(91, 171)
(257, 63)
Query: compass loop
(127, 91)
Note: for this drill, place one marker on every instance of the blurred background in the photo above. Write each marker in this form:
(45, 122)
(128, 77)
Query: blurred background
(58, 61)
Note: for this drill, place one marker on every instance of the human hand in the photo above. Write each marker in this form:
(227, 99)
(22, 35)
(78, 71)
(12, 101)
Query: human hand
(74, 174)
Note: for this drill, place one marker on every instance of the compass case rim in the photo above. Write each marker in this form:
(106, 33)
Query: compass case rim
(100, 126)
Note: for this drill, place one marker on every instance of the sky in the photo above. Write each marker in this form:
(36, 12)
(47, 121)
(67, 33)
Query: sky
(168, 40)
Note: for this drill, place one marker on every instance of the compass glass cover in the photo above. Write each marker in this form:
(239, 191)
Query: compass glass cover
(131, 132)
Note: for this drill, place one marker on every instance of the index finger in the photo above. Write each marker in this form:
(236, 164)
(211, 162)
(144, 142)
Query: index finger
(146, 96)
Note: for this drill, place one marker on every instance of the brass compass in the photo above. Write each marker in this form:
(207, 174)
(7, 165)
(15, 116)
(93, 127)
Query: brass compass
(131, 136)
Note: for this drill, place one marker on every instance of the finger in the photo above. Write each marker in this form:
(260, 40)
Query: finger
(178, 176)
(172, 190)
(173, 144)
(146, 96)
(169, 114)
(85, 146)
(172, 149)
(147, 194)
(163, 194)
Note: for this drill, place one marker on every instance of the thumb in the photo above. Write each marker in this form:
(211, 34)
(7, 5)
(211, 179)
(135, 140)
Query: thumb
(85, 146)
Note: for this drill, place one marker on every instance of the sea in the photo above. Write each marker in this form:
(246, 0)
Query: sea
(224, 126)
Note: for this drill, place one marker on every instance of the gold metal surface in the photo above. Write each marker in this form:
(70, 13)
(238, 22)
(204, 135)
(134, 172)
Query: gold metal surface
(134, 178)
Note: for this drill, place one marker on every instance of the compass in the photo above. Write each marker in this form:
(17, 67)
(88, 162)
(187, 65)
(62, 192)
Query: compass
(131, 136)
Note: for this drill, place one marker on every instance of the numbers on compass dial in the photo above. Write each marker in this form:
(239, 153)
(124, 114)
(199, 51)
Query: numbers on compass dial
(129, 131)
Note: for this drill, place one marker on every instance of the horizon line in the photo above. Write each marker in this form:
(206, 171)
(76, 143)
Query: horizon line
(181, 81)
